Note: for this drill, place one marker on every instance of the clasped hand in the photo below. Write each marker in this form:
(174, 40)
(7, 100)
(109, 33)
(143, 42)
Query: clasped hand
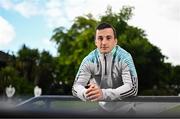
(94, 93)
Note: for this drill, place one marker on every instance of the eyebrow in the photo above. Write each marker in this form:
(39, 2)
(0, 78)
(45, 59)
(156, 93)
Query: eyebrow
(105, 36)
(109, 36)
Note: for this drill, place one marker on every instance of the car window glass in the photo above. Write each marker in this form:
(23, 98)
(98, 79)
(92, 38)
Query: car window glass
(38, 104)
(61, 104)
(72, 105)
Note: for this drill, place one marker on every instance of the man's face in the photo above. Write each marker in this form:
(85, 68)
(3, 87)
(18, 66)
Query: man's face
(105, 40)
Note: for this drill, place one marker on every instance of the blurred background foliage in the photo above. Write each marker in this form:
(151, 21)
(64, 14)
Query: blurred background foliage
(55, 75)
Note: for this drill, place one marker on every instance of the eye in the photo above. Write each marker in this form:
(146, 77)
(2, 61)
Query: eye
(109, 37)
(100, 38)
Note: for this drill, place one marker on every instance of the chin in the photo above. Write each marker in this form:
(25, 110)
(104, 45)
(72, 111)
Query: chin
(104, 52)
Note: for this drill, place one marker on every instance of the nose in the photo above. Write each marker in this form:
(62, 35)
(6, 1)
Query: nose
(104, 41)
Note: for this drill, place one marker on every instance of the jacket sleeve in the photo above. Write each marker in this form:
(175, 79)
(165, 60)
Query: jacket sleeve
(81, 80)
(130, 82)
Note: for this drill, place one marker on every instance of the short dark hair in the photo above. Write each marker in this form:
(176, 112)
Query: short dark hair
(104, 25)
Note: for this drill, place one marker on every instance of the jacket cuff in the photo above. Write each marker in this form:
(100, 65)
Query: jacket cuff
(83, 96)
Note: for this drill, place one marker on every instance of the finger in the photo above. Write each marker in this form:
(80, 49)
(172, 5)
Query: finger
(91, 88)
(94, 100)
(91, 85)
(97, 98)
(92, 93)
(94, 97)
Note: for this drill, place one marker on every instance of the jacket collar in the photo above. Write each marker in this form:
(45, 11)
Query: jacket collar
(107, 54)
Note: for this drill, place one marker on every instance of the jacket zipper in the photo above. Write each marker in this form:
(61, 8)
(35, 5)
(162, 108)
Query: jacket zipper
(105, 60)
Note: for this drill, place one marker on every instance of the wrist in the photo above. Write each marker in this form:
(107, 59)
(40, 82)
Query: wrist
(84, 95)
(102, 95)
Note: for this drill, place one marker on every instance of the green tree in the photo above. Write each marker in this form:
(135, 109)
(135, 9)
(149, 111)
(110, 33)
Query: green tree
(175, 82)
(10, 77)
(27, 61)
(75, 43)
(7, 74)
(46, 70)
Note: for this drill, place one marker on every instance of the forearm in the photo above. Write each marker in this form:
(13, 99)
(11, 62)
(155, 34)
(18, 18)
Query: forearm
(119, 93)
(81, 80)
(79, 91)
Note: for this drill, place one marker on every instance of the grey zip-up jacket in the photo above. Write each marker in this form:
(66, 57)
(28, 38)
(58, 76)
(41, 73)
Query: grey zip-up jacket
(113, 72)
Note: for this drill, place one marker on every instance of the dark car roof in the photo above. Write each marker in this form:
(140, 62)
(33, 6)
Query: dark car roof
(73, 107)
(50, 97)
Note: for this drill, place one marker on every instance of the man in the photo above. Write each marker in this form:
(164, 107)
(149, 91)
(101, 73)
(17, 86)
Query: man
(108, 72)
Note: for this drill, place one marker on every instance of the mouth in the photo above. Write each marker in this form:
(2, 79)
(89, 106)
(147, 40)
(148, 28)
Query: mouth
(104, 47)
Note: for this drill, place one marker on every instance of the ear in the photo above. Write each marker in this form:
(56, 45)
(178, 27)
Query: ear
(115, 41)
(95, 41)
